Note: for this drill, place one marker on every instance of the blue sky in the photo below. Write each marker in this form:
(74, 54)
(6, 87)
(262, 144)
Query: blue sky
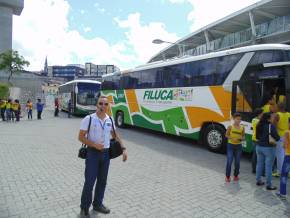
(98, 14)
(116, 32)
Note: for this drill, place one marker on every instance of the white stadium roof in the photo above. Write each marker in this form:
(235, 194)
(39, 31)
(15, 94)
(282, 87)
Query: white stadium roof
(267, 21)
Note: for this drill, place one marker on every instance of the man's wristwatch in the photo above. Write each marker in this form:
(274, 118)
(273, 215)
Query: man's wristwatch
(123, 148)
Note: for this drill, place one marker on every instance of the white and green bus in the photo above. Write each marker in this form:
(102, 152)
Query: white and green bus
(195, 96)
(83, 95)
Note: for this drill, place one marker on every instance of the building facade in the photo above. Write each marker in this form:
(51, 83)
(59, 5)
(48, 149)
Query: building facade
(69, 72)
(97, 71)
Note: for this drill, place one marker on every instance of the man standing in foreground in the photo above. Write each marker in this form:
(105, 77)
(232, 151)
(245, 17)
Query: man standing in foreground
(98, 160)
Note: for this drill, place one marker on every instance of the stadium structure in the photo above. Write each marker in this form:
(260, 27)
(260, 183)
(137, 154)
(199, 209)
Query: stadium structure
(267, 21)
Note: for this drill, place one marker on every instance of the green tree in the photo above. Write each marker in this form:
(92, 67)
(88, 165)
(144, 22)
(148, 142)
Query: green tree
(11, 62)
(4, 90)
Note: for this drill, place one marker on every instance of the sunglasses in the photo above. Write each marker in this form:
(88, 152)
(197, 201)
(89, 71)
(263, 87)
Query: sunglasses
(101, 103)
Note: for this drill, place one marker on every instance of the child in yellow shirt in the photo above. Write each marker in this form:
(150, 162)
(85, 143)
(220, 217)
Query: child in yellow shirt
(235, 134)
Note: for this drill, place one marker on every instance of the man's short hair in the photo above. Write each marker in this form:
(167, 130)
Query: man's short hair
(258, 111)
(237, 114)
(102, 96)
(281, 106)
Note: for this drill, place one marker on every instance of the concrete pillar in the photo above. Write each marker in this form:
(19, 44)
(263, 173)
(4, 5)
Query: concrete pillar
(254, 35)
(7, 9)
(207, 41)
(6, 29)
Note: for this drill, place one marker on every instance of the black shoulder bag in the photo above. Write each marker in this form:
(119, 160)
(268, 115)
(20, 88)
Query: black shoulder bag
(115, 149)
(84, 149)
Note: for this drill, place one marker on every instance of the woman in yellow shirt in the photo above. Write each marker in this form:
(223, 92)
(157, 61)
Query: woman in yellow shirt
(29, 106)
(286, 165)
(235, 134)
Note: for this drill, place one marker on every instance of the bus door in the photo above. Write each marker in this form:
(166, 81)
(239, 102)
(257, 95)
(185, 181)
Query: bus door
(287, 87)
(74, 97)
(246, 97)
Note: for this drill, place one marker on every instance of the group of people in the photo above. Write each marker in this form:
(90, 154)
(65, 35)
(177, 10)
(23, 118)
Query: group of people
(271, 144)
(11, 109)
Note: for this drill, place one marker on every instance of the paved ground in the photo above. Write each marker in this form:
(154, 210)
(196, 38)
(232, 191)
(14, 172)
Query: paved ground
(41, 176)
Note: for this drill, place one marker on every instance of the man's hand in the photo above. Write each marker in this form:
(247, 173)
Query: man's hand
(98, 146)
(125, 155)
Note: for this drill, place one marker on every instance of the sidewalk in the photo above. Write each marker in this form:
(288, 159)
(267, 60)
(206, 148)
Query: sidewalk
(41, 176)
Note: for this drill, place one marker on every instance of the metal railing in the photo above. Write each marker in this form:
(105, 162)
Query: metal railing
(275, 26)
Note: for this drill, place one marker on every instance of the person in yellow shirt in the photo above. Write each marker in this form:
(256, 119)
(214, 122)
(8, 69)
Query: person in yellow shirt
(17, 110)
(235, 134)
(286, 165)
(3, 108)
(8, 110)
(282, 127)
(279, 95)
(269, 105)
(29, 107)
(258, 114)
(14, 109)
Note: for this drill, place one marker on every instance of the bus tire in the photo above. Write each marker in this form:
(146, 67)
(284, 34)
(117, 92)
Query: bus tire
(120, 119)
(214, 138)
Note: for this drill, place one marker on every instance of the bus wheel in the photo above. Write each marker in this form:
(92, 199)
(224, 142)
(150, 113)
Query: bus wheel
(214, 138)
(120, 119)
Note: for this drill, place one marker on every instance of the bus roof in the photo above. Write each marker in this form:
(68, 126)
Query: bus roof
(185, 59)
(81, 81)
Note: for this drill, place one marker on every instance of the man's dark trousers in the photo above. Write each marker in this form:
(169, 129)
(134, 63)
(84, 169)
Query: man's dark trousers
(39, 115)
(97, 167)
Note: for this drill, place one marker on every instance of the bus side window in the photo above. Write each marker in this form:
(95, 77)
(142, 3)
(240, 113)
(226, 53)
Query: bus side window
(225, 65)
(207, 69)
(159, 82)
(191, 73)
(135, 77)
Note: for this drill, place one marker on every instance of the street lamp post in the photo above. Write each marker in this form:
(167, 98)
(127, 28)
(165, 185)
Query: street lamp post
(159, 41)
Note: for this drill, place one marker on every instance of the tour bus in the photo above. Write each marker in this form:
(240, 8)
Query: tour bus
(195, 96)
(83, 95)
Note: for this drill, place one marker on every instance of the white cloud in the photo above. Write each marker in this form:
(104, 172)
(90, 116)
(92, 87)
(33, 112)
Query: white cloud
(101, 10)
(87, 29)
(177, 1)
(140, 37)
(208, 11)
(38, 33)
(83, 11)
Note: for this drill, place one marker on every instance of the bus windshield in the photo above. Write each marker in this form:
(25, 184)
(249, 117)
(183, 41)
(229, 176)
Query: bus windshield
(87, 93)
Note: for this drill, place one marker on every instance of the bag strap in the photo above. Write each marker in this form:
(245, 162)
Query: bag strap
(89, 126)
(113, 125)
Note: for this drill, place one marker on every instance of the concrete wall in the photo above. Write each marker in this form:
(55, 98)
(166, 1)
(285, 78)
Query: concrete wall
(25, 86)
